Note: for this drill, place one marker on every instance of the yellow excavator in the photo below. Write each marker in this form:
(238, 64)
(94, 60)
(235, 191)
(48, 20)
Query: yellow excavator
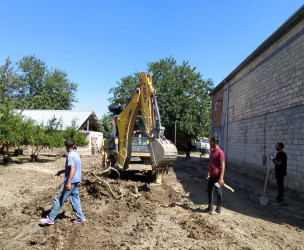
(137, 141)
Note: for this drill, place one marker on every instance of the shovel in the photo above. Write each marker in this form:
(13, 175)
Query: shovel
(225, 186)
(263, 198)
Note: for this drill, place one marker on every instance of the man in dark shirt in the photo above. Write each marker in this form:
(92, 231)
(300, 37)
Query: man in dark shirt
(188, 150)
(280, 162)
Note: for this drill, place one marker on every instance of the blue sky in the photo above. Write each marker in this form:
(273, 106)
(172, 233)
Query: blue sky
(97, 42)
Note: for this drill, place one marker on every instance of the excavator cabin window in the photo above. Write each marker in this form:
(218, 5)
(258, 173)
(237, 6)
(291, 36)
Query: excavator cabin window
(139, 137)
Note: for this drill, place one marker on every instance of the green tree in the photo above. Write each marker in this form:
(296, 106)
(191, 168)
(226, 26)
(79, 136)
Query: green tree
(36, 140)
(106, 125)
(10, 84)
(124, 89)
(11, 133)
(29, 84)
(53, 135)
(58, 90)
(183, 95)
(16, 131)
(45, 89)
(26, 132)
(71, 133)
(32, 73)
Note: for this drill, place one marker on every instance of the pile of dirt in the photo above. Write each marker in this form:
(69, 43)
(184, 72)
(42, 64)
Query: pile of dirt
(200, 229)
(164, 195)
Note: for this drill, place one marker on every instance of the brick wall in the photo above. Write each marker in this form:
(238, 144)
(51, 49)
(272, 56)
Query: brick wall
(250, 142)
(264, 104)
(217, 108)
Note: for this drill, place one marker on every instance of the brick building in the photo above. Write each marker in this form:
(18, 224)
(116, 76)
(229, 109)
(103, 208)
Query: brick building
(261, 103)
(217, 113)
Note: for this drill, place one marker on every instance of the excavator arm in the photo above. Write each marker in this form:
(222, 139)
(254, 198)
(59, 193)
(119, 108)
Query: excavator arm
(125, 122)
(162, 151)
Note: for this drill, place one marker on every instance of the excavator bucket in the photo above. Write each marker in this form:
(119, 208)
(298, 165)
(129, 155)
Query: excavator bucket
(163, 153)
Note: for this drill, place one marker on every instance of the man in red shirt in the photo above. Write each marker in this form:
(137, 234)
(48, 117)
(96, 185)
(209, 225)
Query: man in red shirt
(215, 174)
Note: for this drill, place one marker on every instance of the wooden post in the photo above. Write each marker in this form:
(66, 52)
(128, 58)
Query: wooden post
(88, 124)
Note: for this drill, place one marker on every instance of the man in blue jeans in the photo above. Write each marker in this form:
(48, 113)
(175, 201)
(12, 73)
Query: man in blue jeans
(69, 188)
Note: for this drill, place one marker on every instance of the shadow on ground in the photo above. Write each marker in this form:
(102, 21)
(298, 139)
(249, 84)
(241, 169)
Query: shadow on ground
(21, 159)
(245, 199)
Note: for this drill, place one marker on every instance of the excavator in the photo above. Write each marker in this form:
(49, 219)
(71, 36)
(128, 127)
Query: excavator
(137, 141)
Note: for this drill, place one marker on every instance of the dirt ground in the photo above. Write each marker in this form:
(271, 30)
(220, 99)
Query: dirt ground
(146, 216)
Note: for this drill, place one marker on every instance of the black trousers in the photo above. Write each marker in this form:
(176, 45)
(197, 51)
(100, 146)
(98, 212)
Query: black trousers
(280, 185)
(218, 192)
(188, 155)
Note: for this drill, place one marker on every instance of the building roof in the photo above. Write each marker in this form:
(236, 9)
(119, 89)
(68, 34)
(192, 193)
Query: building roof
(67, 117)
(275, 36)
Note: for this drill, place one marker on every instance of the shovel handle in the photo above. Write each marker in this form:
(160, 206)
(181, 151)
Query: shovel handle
(229, 188)
(226, 186)
(266, 179)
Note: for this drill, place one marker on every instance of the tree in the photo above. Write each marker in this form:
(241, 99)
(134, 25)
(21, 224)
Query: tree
(30, 85)
(106, 125)
(71, 133)
(10, 84)
(16, 131)
(124, 90)
(37, 140)
(52, 135)
(13, 130)
(182, 96)
(58, 92)
(7, 135)
(44, 89)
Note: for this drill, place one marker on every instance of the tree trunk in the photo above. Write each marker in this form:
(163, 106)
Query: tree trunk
(34, 158)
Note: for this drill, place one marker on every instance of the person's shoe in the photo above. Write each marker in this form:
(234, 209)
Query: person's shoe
(78, 221)
(218, 210)
(47, 221)
(215, 212)
(206, 210)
